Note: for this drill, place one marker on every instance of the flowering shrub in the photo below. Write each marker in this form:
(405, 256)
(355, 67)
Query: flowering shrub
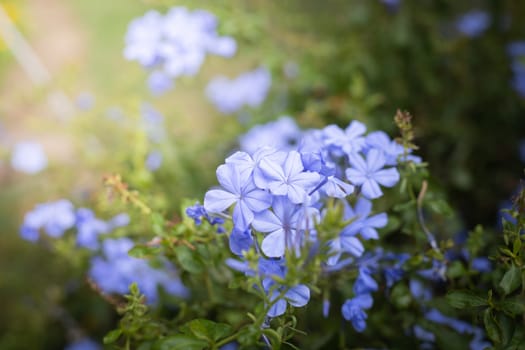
(327, 237)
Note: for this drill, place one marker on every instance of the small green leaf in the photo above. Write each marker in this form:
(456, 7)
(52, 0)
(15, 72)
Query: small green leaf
(511, 280)
(512, 306)
(143, 251)
(464, 299)
(180, 342)
(188, 260)
(491, 326)
(112, 336)
(207, 330)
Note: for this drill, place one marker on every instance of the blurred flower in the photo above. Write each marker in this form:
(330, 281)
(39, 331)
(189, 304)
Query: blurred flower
(115, 271)
(159, 82)
(28, 157)
(248, 89)
(84, 344)
(175, 44)
(473, 23)
(353, 310)
(52, 217)
(154, 160)
(85, 101)
(282, 134)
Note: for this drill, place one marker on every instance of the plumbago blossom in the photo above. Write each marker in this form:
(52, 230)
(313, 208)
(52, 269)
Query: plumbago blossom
(276, 196)
(111, 268)
(174, 44)
(248, 89)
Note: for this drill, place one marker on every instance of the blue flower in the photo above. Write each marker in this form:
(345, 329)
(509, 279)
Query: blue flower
(364, 283)
(53, 217)
(84, 344)
(297, 296)
(282, 134)
(115, 271)
(390, 148)
(348, 141)
(353, 310)
(89, 228)
(175, 44)
(154, 160)
(285, 226)
(28, 157)
(362, 222)
(197, 212)
(159, 82)
(289, 179)
(248, 89)
(240, 241)
(370, 174)
(473, 23)
(239, 190)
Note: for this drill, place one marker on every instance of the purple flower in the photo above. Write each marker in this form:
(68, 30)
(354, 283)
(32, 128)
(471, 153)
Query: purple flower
(364, 283)
(348, 141)
(353, 310)
(370, 174)
(240, 241)
(390, 148)
(297, 296)
(240, 190)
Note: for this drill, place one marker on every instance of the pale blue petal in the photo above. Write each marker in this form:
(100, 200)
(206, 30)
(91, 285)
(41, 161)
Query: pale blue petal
(272, 169)
(371, 189)
(355, 176)
(375, 160)
(258, 200)
(277, 309)
(297, 194)
(298, 296)
(242, 216)
(355, 129)
(216, 201)
(266, 221)
(358, 163)
(228, 177)
(377, 221)
(278, 188)
(273, 245)
(363, 207)
(387, 177)
(369, 233)
(293, 164)
(352, 245)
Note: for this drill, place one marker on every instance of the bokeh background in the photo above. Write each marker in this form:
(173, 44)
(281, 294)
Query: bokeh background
(456, 66)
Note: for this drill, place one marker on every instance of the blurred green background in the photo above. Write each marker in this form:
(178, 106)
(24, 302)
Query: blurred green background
(331, 62)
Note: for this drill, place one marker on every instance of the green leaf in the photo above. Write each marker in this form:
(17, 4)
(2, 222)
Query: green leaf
(491, 326)
(112, 336)
(180, 342)
(143, 251)
(188, 260)
(273, 337)
(511, 280)
(207, 330)
(512, 306)
(464, 299)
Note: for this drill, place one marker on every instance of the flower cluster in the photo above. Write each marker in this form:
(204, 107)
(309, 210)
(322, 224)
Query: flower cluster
(248, 89)
(278, 196)
(115, 271)
(55, 218)
(28, 157)
(174, 44)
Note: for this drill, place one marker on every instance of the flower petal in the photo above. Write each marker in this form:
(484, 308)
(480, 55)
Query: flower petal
(298, 296)
(273, 245)
(387, 177)
(371, 189)
(216, 201)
